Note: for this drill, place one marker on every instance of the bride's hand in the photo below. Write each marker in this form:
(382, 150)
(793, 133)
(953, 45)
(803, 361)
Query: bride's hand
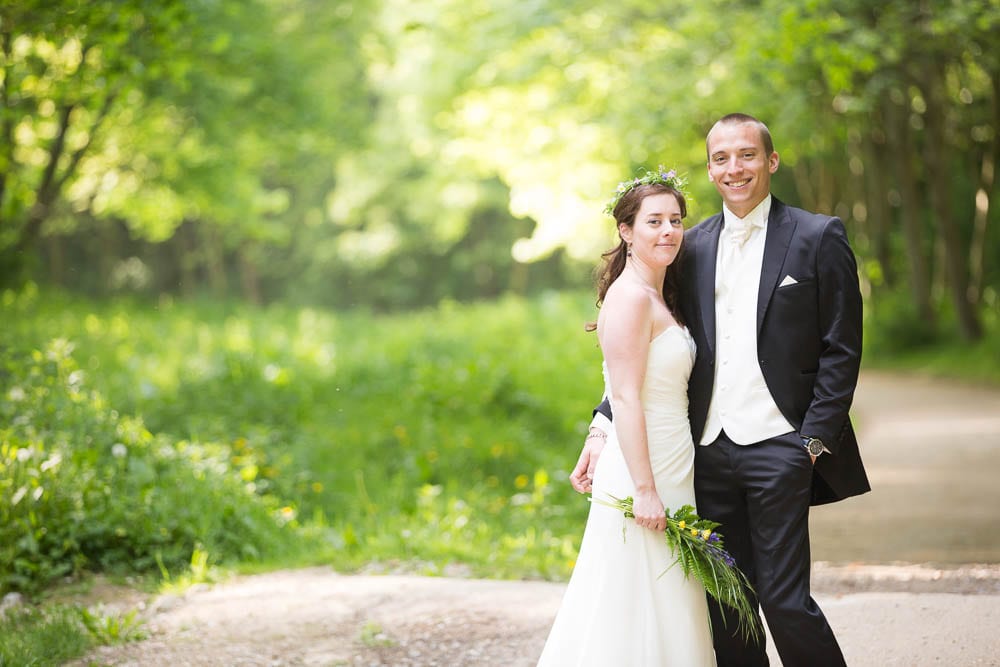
(648, 510)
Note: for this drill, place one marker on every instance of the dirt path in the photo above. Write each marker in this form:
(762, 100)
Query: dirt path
(932, 451)
(892, 570)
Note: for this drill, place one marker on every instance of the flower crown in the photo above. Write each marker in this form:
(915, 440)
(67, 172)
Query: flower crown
(661, 175)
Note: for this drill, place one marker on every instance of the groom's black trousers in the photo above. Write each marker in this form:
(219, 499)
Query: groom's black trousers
(760, 494)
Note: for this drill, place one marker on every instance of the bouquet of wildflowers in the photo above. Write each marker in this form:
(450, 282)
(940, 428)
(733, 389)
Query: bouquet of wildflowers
(699, 551)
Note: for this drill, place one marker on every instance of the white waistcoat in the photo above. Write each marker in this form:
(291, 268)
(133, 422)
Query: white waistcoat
(741, 403)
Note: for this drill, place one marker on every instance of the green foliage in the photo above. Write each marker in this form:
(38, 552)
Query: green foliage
(31, 637)
(389, 154)
(200, 571)
(113, 627)
(85, 487)
(372, 635)
(897, 338)
(896, 326)
(440, 437)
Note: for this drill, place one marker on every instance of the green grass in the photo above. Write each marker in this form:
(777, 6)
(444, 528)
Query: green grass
(32, 637)
(977, 362)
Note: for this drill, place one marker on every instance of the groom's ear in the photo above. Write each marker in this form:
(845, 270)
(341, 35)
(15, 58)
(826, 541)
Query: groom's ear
(773, 161)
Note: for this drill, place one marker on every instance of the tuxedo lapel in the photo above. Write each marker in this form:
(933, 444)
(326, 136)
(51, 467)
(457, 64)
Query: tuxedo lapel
(780, 228)
(708, 254)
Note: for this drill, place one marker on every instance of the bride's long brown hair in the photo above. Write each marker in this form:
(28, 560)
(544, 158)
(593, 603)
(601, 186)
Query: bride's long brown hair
(614, 260)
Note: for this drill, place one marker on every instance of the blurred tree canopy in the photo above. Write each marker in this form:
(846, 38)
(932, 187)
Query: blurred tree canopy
(391, 153)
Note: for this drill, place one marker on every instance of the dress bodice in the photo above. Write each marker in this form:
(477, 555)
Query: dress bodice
(668, 366)
(665, 404)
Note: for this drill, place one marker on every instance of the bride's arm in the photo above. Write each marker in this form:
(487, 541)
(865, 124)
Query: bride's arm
(624, 332)
(582, 476)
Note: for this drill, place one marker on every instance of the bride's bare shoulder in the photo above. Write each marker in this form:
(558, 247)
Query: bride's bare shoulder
(626, 302)
(626, 291)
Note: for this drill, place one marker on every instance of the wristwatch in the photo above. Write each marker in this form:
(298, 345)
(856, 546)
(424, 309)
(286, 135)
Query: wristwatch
(813, 445)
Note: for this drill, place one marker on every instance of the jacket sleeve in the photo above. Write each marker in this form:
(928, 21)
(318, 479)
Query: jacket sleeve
(604, 408)
(840, 328)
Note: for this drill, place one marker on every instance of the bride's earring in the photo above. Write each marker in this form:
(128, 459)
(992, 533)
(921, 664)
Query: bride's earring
(628, 251)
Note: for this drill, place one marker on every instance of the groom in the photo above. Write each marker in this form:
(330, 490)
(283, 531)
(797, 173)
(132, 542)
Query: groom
(770, 295)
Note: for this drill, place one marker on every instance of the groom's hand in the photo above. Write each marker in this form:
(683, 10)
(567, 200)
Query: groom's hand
(582, 477)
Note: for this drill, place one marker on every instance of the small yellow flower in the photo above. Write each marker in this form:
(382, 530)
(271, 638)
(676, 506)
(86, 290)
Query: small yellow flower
(694, 532)
(682, 525)
(705, 534)
(521, 481)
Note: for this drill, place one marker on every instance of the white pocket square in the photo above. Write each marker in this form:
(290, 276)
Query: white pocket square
(788, 281)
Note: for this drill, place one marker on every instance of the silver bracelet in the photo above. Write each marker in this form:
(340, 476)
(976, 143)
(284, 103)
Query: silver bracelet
(594, 433)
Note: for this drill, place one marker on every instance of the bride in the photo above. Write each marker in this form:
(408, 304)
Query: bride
(622, 605)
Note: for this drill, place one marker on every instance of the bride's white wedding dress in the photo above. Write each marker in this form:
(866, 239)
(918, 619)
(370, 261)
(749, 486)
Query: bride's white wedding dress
(620, 607)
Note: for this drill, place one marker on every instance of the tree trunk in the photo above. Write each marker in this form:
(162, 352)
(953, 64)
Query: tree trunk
(803, 185)
(910, 206)
(876, 185)
(6, 118)
(826, 200)
(186, 259)
(249, 276)
(987, 183)
(214, 254)
(939, 190)
(57, 260)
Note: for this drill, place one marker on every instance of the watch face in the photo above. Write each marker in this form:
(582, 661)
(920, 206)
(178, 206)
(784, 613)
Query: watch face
(815, 447)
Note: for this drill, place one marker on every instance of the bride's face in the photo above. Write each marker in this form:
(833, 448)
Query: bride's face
(657, 232)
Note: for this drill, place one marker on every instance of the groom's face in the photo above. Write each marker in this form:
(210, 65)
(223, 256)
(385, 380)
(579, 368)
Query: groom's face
(739, 165)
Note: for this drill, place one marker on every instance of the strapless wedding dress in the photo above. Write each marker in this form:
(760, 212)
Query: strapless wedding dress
(622, 606)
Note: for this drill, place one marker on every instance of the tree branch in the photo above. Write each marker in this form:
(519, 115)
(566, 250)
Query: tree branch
(47, 190)
(50, 184)
(74, 160)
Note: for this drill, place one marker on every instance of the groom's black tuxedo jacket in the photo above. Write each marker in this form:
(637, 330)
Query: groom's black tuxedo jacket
(808, 334)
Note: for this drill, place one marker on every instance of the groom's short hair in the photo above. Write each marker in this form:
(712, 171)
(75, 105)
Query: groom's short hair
(739, 119)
